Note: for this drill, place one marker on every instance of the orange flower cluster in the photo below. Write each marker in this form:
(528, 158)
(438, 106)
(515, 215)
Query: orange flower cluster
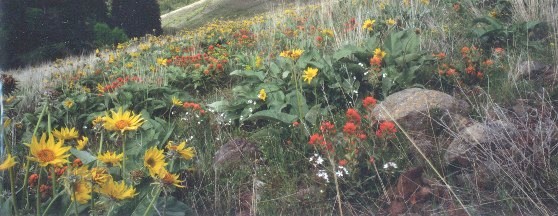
(386, 129)
(193, 106)
(244, 38)
(119, 82)
(369, 102)
(206, 62)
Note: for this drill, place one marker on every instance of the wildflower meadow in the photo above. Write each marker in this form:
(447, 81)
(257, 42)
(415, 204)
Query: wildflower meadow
(292, 112)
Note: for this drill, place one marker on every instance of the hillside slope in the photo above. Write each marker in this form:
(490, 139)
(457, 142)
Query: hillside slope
(203, 11)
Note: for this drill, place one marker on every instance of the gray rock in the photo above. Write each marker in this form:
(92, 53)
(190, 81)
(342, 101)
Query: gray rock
(414, 108)
(531, 68)
(235, 153)
(479, 136)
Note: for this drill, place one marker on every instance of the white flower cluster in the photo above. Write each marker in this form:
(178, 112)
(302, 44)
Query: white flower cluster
(316, 160)
(323, 174)
(341, 170)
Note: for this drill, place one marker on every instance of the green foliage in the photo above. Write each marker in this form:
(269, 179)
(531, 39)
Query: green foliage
(35, 31)
(400, 66)
(104, 35)
(494, 33)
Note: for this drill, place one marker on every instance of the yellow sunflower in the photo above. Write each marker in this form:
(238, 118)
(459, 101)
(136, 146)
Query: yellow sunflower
(391, 22)
(186, 153)
(82, 143)
(122, 121)
(111, 158)
(262, 95)
(47, 152)
(168, 178)
(154, 160)
(100, 175)
(8, 163)
(309, 74)
(82, 192)
(368, 24)
(117, 191)
(98, 120)
(68, 103)
(65, 133)
(379, 53)
(176, 101)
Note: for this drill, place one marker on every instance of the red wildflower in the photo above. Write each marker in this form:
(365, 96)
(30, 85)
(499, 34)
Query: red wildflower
(77, 163)
(480, 75)
(440, 56)
(349, 128)
(33, 179)
(362, 136)
(376, 61)
(498, 50)
(470, 69)
(316, 139)
(451, 72)
(465, 51)
(327, 127)
(386, 128)
(319, 39)
(369, 102)
(353, 116)
(343, 162)
(45, 189)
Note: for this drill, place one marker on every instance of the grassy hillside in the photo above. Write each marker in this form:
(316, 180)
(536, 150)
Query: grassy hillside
(209, 10)
(277, 114)
(169, 5)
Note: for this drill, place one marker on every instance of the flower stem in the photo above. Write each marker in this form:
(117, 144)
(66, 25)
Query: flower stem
(100, 146)
(25, 179)
(52, 201)
(152, 201)
(53, 175)
(12, 188)
(124, 158)
(38, 193)
(332, 162)
(110, 210)
(75, 200)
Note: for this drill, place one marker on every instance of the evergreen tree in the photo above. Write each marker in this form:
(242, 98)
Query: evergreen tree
(137, 17)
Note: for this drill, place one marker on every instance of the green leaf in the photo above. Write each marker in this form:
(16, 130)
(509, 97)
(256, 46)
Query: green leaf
(6, 207)
(219, 106)
(345, 52)
(313, 114)
(173, 207)
(272, 116)
(84, 156)
(251, 74)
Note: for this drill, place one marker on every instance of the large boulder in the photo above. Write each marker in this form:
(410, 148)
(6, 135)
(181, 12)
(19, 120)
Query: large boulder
(414, 108)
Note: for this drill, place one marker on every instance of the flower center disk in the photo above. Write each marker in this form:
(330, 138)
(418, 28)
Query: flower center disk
(121, 124)
(46, 155)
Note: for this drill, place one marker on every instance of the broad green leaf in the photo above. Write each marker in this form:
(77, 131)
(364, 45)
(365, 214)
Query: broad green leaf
(313, 114)
(84, 156)
(252, 74)
(272, 116)
(173, 207)
(345, 52)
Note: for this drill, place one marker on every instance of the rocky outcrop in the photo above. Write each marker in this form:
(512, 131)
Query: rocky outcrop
(414, 108)
(423, 113)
